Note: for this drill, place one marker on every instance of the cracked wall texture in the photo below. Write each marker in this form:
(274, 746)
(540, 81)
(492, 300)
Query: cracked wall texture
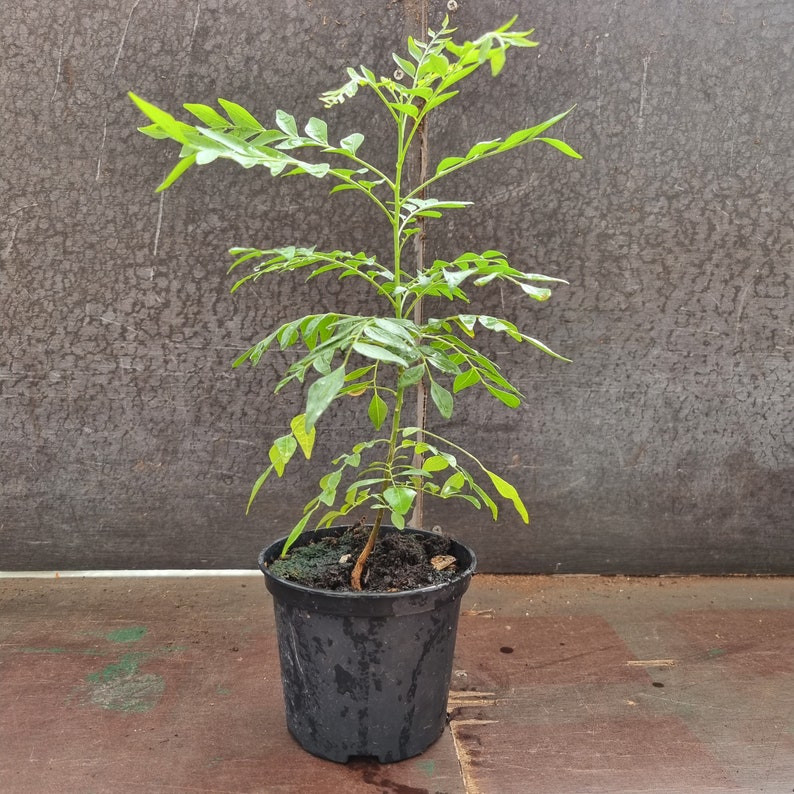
(129, 442)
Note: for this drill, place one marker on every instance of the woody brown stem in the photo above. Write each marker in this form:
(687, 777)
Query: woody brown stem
(358, 568)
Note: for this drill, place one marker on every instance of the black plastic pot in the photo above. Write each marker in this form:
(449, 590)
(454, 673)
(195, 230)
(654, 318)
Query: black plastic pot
(366, 674)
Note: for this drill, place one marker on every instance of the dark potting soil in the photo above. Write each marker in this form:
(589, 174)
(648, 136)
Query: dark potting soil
(399, 561)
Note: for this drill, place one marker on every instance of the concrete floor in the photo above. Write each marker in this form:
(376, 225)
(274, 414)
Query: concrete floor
(561, 685)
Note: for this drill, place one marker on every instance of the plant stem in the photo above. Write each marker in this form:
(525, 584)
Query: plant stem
(403, 147)
(418, 515)
(358, 568)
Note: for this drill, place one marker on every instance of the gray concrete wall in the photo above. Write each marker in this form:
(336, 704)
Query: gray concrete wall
(127, 439)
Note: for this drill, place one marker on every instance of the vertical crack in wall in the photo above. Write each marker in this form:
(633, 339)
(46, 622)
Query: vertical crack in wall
(159, 224)
(101, 147)
(58, 70)
(195, 26)
(124, 37)
(643, 93)
(112, 73)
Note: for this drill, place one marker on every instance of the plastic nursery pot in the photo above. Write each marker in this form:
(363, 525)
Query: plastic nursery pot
(366, 674)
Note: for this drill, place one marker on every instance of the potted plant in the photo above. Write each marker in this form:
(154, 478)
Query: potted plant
(367, 673)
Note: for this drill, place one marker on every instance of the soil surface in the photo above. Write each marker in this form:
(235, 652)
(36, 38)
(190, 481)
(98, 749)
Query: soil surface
(400, 561)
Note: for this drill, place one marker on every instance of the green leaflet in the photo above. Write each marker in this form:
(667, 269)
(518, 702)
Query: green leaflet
(379, 354)
(508, 492)
(378, 411)
(352, 142)
(304, 437)
(562, 146)
(397, 519)
(388, 338)
(321, 394)
(329, 484)
(465, 379)
(412, 376)
(260, 481)
(510, 399)
(165, 121)
(296, 532)
(281, 452)
(286, 122)
(206, 114)
(435, 463)
(399, 498)
(453, 484)
(239, 115)
(442, 399)
(177, 171)
(317, 130)
(404, 64)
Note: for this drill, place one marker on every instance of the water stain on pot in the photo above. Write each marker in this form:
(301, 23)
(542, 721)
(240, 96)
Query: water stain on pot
(345, 681)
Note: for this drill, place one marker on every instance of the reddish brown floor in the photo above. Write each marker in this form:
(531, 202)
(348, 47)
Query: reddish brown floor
(561, 686)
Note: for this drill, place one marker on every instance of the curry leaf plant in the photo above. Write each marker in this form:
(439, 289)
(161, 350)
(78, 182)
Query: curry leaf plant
(381, 356)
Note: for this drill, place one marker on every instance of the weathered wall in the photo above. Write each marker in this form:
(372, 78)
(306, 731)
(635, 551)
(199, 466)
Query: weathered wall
(666, 446)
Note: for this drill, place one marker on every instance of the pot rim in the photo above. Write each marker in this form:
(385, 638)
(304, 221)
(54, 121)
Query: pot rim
(459, 576)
